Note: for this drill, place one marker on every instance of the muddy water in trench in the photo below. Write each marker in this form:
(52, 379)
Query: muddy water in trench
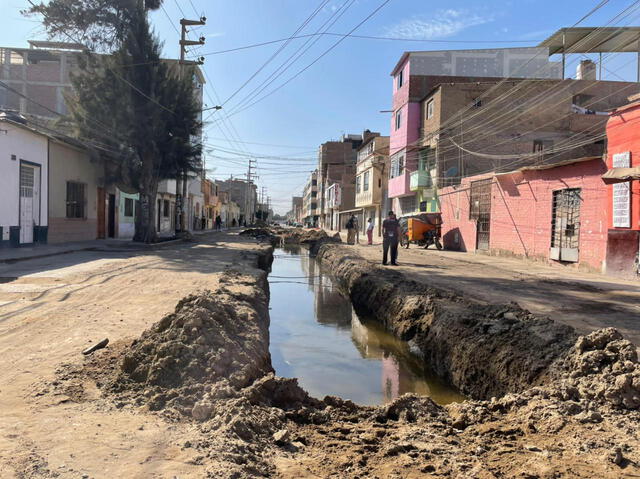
(317, 337)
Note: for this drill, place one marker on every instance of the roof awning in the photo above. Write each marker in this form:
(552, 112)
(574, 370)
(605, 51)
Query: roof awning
(619, 175)
(593, 40)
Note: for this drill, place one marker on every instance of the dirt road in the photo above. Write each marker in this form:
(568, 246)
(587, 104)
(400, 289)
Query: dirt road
(586, 301)
(53, 308)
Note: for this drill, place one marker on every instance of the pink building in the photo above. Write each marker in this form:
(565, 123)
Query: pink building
(552, 213)
(416, 73)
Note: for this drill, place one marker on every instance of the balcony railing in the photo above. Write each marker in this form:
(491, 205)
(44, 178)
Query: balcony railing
(420, 179)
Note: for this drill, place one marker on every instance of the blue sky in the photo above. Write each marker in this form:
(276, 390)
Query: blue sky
(345, 90)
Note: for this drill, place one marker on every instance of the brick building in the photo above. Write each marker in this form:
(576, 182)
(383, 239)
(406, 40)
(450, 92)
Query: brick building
(336, 165)
(552, 213)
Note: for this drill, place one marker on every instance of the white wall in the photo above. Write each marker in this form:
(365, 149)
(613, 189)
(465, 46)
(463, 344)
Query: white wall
(28, 146)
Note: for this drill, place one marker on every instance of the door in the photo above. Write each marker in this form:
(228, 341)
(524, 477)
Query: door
(111, 224)
(565, 225)
(101, 213)
(480, 210)
(29, 201)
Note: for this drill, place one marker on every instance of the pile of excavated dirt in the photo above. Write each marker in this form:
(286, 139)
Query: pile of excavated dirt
(212, 338)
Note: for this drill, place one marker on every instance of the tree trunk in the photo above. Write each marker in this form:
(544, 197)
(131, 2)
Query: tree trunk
(145, 222)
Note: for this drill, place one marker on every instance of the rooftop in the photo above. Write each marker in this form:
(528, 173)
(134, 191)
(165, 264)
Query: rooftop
(593, 40)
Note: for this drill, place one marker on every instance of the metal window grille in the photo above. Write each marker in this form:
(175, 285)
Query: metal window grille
(76, 199)
(565, 225)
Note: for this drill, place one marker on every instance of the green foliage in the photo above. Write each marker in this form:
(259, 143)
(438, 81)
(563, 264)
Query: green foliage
(101, 25)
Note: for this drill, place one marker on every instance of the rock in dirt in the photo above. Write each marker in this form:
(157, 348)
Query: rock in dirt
(282, 436)
(95, 347)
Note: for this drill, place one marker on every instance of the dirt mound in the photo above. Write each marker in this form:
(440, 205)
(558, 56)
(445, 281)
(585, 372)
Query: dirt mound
(213, 341)
(602, 367)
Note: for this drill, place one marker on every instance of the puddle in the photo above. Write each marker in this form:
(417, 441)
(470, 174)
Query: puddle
(317, 337)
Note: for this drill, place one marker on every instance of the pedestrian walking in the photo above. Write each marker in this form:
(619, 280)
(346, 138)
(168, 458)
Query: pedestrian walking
(351, 229)
(390, 237)
(356, 229)
(370, 232)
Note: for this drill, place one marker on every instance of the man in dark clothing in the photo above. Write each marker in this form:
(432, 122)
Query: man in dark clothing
(390, 237)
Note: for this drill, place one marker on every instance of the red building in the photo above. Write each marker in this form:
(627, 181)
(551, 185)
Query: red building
(623, 136)
(553, 213)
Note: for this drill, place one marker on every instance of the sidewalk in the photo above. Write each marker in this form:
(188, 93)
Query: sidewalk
(587, 301)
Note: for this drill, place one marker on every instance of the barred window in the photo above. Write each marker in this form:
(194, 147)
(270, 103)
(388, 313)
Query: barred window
(76, 199)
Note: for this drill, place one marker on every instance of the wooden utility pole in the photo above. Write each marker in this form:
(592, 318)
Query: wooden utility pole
(182, 178)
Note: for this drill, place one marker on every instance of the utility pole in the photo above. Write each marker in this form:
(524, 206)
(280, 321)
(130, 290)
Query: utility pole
(247, 199)
(181, 193)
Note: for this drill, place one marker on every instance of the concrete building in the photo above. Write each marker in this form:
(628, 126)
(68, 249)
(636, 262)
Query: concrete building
(210, 194)
(166, 207)
(507, 124)
(52, 185)
(296, 209)
(417, 73)
(42, 73)
(337, 164)
(310, 210)
(372, 172)
(552, 213)
(244, 194)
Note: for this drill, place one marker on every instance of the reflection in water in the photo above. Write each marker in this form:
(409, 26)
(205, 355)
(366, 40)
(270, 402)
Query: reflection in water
(317, 337)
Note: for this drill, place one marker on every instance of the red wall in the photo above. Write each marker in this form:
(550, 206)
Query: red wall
(623, 134)
(521, 212)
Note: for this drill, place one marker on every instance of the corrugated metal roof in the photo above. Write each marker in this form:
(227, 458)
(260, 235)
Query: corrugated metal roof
(593, 40)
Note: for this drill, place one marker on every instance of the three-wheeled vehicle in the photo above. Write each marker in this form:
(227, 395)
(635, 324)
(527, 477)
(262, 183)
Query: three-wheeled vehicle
(423, 230)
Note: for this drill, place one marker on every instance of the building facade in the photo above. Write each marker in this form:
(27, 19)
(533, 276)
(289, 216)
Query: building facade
(623, 193)
(416, 73)
(310, 210)
(551, 213)
(372, 173)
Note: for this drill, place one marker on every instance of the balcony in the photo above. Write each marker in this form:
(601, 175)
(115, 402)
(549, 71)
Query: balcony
(400, 185)
(364, 198)
(420, 179)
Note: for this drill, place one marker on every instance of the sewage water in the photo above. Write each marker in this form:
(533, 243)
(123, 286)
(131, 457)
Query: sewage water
(318, 338)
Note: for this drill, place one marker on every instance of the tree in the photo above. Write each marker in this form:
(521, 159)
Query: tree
(147, 107)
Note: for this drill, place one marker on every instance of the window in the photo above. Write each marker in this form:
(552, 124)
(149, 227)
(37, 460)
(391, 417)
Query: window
(365, 181)
(75, 199)
(165, 208)
(314, 182)
(314, 194)
(128, 207)
(429, 109)
(398, 119)
(397, 166)
(358, 183)
(400, 79)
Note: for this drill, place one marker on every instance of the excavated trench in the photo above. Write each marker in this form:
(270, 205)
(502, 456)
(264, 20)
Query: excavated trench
(316, 337)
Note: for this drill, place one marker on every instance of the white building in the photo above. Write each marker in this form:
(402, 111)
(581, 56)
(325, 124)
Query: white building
(24, 167)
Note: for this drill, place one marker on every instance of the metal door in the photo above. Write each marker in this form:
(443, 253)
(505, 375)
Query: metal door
(111, 220)
(565, 225)
(29, 201)
(480, 210)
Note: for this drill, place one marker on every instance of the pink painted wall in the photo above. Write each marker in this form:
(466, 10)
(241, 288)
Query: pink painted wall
(521, 212)
(399, 186)
(458, 231)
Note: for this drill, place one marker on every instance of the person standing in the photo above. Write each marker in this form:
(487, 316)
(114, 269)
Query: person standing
(218, 223)
(356, 229)
(390, 237)
(351, 229)
(370, 232)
